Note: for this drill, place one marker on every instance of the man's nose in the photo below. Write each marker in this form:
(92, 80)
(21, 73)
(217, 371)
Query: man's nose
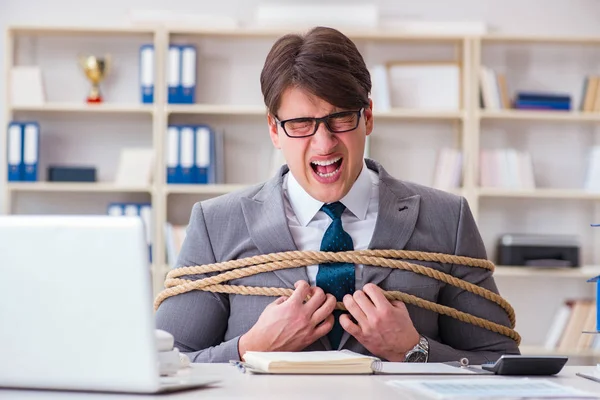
(323, 140)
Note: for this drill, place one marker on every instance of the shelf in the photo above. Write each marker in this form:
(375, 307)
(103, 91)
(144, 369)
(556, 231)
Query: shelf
(583, 273)
(216, 109)
(203, 189)
(572, 40)
(399, 113)
(94, 187)
(224, 109)
(526, 115)
(81, 30)
(88, 108)
(568, 194)
(366, 34)
(539, 350)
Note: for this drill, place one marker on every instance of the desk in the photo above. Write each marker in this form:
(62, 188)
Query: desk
(237, 385)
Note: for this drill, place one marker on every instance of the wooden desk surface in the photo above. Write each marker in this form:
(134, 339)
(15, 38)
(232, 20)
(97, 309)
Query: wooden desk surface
(237, 385)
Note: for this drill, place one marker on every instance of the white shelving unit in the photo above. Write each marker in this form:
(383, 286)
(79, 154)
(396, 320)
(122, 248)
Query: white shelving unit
(229, 99)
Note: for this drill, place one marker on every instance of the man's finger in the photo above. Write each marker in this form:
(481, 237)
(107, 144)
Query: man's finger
(376, 295)
(350, 326)
(301, 292)
(355, 310)
(365, 303)
(324, 310)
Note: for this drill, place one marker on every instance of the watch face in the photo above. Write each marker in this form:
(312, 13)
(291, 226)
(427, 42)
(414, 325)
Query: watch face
(416, 356)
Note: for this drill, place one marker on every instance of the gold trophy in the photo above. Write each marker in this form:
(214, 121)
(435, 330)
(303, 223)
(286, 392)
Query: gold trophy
(95, 69)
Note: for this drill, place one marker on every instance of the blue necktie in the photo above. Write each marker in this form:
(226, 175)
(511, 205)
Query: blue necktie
(336, 278)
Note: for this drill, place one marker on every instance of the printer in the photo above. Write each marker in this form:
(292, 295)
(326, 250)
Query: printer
(538, 250)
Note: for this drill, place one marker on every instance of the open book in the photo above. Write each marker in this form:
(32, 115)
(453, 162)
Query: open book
(344, 362)
(310, 362)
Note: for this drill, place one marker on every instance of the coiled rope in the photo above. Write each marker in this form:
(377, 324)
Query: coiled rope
(244, 267)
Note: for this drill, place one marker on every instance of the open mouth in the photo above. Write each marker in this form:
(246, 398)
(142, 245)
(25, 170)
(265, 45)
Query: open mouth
(327, 169)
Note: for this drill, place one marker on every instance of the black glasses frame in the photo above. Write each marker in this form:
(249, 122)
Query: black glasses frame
(318, 121)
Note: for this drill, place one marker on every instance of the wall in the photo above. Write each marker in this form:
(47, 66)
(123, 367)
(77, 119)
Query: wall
(575, 17)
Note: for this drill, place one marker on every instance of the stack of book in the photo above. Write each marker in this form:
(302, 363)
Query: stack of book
(506, 168)
(572, 319)
(542, 101)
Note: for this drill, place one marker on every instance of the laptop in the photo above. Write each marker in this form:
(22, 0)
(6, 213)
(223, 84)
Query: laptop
(76, 306)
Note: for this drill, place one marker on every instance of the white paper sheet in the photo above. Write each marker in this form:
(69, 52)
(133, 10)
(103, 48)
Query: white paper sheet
(422, 369)
(491, 388)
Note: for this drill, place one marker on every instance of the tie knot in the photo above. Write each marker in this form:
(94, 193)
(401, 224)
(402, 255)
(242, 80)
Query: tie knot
(334, 210)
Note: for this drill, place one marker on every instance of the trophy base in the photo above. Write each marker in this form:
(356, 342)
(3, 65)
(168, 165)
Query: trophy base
(94, 100)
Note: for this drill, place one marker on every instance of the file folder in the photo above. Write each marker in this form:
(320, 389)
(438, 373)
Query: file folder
(147, 73)
(131, 210)
(173, 154)
(146, 215)
(14, 154)
(188, 75)
(203, 155)
(115, 209)
(174, 74)
(187, 154)
(31, 151)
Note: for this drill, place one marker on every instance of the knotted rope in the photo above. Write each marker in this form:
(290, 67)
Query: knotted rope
(243, 267)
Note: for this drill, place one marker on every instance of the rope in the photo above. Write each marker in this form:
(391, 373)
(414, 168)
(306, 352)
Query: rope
(244, 267)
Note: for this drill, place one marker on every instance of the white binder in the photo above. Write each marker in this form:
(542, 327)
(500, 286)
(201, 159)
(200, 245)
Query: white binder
(115, 210)
(31, 139)
(174, 74)
(187, 154)
(203, 155)
(147, 73)
(14, 156)
(172, 158)
(188, 74)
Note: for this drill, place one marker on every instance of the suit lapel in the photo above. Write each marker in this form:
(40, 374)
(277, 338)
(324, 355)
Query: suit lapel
(267, 225)
(396, 220)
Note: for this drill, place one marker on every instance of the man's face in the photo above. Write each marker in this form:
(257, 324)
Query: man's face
(326, 164)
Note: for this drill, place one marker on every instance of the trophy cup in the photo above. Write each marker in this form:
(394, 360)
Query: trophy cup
(95, 69)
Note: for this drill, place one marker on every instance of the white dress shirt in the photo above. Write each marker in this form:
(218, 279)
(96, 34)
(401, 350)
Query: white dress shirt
(308, 223)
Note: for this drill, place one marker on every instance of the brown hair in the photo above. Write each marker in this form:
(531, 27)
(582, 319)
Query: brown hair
(323, 62)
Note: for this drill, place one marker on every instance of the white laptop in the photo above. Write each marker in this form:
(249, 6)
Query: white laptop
(76, 307)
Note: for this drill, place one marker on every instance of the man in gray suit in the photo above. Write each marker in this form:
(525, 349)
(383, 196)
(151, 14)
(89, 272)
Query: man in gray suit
(329, 198)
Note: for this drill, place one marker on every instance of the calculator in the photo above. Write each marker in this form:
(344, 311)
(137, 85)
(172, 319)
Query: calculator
(526, 365)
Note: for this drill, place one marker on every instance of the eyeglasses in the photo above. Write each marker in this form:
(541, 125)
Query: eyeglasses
(340, 122)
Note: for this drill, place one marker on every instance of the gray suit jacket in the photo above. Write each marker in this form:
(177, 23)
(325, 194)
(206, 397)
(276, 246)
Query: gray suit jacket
(207, 326)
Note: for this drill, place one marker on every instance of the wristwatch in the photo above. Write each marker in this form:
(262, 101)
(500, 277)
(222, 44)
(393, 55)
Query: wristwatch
(419, 353)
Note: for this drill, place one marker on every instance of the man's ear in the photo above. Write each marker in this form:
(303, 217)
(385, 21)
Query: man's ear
(368, 112)
(273, 131)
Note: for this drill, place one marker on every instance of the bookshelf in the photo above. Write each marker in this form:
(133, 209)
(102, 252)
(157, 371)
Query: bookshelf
(405, 141)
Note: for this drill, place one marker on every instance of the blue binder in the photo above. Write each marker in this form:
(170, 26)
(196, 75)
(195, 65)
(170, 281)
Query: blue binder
(174, 74)
(145, 212)
(31, 151)
(173, 154)
(186, 160)
(147, 73)
(115, 209)
(188, 75)
(14, 154)
(203, 155)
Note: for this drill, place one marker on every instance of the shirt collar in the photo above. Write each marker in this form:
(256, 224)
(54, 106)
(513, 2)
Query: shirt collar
(306, 207)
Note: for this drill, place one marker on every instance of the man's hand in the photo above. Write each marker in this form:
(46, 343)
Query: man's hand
(291, 324)
(384, 328)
